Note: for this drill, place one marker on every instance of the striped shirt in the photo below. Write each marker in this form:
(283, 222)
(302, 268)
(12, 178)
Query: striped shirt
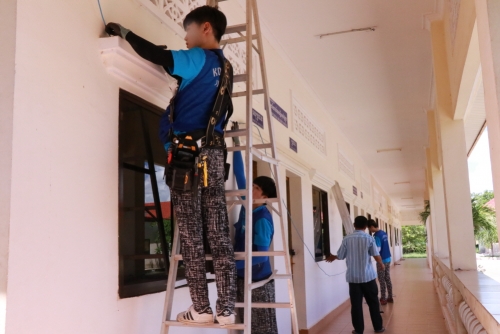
(357, 249)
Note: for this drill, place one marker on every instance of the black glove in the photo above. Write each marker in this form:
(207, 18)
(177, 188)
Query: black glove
(236, 140)
(114, 29)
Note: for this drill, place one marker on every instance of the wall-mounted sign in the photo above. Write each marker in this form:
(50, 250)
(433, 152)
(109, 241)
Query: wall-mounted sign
(355, 190)
(258, 118)
(279, 113)
(293, 145)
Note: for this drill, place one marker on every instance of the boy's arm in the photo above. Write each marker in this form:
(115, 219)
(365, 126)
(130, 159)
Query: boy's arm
(144, 48)
(151, 52)
(239, 170)
(378, 258)
(238, 166)
(378, 242)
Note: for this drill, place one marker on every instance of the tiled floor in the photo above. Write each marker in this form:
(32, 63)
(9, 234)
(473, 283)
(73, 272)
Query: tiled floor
(415, 310)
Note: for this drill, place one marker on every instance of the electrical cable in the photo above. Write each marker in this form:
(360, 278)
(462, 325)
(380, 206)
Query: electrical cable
(102, 15)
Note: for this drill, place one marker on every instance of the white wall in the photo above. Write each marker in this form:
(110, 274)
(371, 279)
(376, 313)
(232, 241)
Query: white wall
(7, 76)
(63, 251)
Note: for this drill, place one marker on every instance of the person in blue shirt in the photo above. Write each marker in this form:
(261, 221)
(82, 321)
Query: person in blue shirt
(198, 72)
(383, 269)
(263, 320)
(357, 249)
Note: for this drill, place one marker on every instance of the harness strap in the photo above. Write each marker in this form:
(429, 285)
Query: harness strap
(222, 104)
(223, 100)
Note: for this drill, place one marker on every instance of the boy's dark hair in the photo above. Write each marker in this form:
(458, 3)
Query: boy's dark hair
(267, 185)
(209, 14)
(360, 222)
(372, 223)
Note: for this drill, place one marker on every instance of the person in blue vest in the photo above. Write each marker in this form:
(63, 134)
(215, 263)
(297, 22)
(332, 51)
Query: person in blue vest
(198, 72)
(263, 320)
(384, 269)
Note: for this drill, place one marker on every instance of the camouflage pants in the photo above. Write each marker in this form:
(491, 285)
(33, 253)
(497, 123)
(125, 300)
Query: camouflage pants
(208, 210)
(263, 319)
(384, 279)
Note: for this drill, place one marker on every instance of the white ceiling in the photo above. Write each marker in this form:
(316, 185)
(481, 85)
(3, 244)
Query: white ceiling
(376, 84)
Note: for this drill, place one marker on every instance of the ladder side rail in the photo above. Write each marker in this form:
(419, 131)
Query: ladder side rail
(247, 300)
(344, 213)
(275, 167)
(172, 276)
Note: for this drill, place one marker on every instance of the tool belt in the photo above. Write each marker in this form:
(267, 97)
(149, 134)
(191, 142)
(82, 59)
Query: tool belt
(182, 171)
(184, 166)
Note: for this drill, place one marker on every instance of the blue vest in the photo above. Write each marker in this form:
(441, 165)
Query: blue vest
(385, 250)
(261, 270)
(195, 98)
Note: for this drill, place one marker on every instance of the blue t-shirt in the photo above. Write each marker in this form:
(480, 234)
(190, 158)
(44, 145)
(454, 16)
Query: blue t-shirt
(383, 245)
(263, 230)
(200, 71)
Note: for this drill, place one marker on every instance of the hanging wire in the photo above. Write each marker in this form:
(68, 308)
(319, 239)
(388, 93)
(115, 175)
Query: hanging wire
(102, 15)
(293, 223)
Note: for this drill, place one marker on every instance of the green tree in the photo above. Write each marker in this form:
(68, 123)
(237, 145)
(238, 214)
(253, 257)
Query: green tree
(426, 213)
(414, 239)
(484, 219)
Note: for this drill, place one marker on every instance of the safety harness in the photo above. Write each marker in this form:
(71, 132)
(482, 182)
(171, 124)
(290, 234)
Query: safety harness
(184, 162)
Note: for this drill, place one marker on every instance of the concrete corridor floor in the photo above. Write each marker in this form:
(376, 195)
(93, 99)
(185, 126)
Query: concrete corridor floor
(416, 306)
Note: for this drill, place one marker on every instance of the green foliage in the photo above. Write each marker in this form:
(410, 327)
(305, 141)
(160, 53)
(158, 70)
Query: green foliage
(414, 239)
(483, 197)
(168, 234)
(427, 211)
(415, 255)
(484, 219)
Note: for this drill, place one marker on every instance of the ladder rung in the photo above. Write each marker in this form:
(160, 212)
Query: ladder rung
(239, 78)
(265, 305)
(239, 255)
(264, 157)
(254, 92)
(240, 192)
(214, 325)
(255, 201)
(236, 40)
(282, 276)
(236, 133)
(236, 28)
(241, 148)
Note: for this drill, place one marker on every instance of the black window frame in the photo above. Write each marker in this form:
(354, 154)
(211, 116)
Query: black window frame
(348, 206)
(325, 225)
(157, 283)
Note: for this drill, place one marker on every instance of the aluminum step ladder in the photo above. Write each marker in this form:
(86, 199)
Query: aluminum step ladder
(344, 213)
(234, 197)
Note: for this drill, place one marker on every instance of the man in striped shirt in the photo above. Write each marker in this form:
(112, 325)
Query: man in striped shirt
(357, 249)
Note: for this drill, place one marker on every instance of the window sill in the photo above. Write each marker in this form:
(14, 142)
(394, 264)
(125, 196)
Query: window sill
(135, 74)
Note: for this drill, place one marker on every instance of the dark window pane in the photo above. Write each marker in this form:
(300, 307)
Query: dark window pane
(145, 227)
(321, 224)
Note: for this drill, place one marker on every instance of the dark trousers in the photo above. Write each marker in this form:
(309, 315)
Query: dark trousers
(384, 279)
(263, 319)
(192, 213)
(369, 290)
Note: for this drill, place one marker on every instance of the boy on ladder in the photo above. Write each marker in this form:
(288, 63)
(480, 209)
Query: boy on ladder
(195, 149)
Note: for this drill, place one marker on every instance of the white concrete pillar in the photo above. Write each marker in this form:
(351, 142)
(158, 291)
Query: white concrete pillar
(8, 16)
(451, 138)
(488, 27)
(436, 194)
(438, 211)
